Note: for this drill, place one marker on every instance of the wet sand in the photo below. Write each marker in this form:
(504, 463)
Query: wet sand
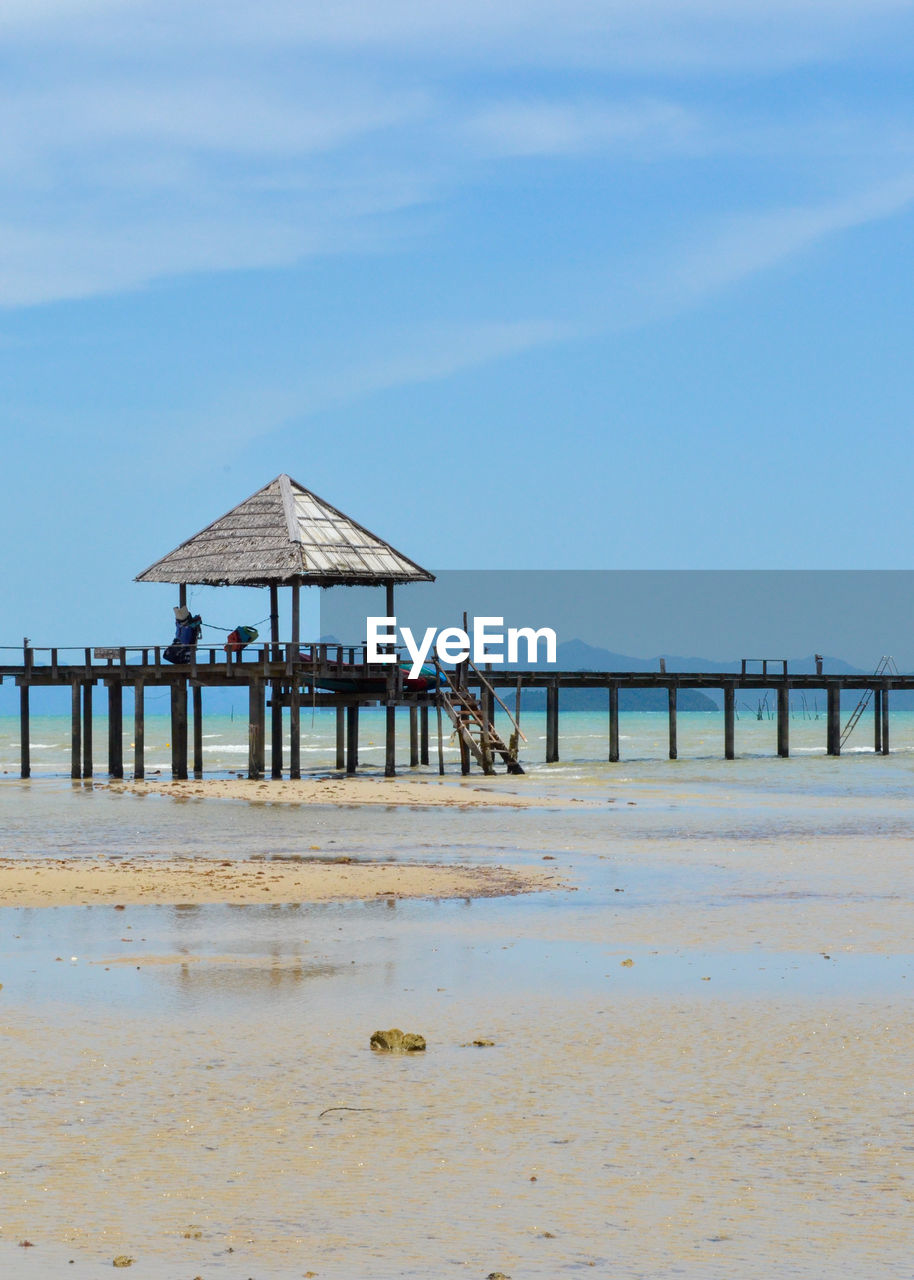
(501, 791)
(81, 882)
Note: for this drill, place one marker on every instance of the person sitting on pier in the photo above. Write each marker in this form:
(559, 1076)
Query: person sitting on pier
(188, 627)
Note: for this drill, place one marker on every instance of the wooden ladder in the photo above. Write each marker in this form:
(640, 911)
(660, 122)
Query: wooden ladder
(474, 730)
(885, 666)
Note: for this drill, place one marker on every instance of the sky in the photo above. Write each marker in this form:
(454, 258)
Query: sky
(527, 285)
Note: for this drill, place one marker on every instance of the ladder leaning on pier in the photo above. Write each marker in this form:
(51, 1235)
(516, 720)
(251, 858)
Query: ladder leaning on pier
(473, 724)
(885, 666)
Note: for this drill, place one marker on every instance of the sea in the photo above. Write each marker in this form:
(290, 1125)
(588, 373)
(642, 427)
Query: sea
(694, 1059)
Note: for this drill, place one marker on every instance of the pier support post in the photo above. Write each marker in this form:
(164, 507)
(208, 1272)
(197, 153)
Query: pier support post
(25, 757)
(423, 735)
(340, 738)
(75, 729)
(413, 737)
(295, 729)
(552, 722)
(116, 729)
(275, 688)
(783, 721)
(674, 748)
(139, 729)
(833, 724)
(197, 699)
(877, 720)
(87, 729)
(179, 729)
(256, 719)
(390, 742)
(884, 699)
(613, 721)
(440, 739)
(352, 739)
(729, 719)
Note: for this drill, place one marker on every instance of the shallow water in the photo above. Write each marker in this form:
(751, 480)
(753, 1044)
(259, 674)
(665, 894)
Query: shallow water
(736, 1101)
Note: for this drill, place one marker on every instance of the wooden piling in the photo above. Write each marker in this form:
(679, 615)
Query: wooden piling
(116, 729)
(390, 742)
(552, 722)
(352, 738)
(256, 718)
(833, 721)
(87, 729)
(179, 729)
(783, 721)
(295, 728)
(275, 689)
(423, 735)
(440, 740)
(613, 721)
(197, 699)
(341, 737)
(884, 699)
(75, 729)
(672, 705)
(413, 737)
(729, 718)
(139, 729)
(877, 720)
(25, 755)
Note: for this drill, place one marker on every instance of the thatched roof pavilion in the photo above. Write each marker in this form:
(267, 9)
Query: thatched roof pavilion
(285, 535)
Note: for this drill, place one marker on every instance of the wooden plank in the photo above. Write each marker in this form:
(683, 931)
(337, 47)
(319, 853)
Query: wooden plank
(88, 762)
(139, 729)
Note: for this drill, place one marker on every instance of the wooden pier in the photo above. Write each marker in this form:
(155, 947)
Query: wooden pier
(285, 675)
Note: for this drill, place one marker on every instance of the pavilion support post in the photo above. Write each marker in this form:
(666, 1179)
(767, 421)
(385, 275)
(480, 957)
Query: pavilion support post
(197, 697)
(672, 703)
(413, 737)
(295, 729)
(352, 738)
(275, 689)
(877, 720)
(255, 728)
(115, 729)
(783, 721)
(833, 721)
(729, 719)
(182, 594)
(340, 738)
(87, 729)
(139, 729)
(884, 699)
(75, 729)
(423, 735)
(614, 721)
(25, 758)
(390, 742)
(179, 729)
(552, 722)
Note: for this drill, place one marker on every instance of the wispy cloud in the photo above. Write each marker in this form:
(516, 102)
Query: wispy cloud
(548, 127)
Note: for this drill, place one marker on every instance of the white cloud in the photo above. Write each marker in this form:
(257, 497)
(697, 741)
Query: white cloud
(544, 127)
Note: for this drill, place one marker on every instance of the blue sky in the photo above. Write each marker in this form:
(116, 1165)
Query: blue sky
(518, 285)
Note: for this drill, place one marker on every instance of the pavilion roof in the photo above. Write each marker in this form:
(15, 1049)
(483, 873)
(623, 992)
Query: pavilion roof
(284, 533)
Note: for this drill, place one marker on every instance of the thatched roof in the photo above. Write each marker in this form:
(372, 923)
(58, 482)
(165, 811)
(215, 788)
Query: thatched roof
(285, 534)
